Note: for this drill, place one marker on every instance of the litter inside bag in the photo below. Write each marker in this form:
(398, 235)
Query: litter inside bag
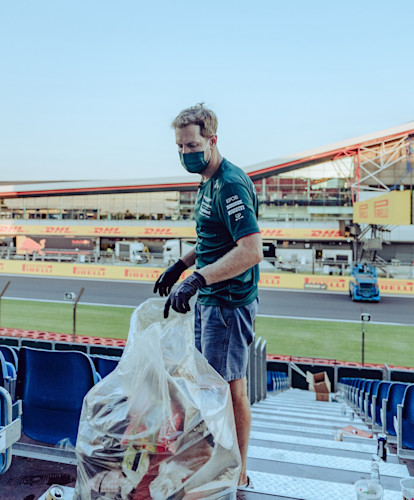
(161, 425)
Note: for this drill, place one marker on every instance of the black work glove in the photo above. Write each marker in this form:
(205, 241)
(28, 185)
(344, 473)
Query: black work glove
(169, 278)
(179, 300)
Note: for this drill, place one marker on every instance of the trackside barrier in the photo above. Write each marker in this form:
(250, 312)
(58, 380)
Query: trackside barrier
(402, 376)
(63, 346)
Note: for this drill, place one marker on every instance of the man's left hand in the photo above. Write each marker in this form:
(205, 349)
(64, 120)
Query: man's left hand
(179, 300)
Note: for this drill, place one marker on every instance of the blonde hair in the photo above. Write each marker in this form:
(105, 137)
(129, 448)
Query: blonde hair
(197, 115)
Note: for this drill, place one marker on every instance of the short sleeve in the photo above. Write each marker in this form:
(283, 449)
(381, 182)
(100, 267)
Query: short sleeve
(237, 208)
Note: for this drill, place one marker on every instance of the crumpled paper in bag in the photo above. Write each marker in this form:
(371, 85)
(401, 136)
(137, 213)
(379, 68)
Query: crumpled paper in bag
(161, 425)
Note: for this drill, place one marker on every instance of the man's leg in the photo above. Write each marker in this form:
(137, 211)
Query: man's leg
(242, 417)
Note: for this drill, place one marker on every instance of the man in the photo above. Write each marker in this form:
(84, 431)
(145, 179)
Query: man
(227, 253)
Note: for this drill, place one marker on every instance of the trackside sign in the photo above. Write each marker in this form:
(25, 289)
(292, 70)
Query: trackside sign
(10, 229)
(393, 208)
(150, 274)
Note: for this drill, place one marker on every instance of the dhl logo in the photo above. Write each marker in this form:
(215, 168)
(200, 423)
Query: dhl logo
(11, 229)
(106, 230)
(274, 280)
(143, 275)
(1, 267)
(329, 282)
(38, 268)
(99, 272)
(313, 233)
(325, 233)
(381, 209)
(164, 231)
(58, 230)
(269, 233)
(363, 210)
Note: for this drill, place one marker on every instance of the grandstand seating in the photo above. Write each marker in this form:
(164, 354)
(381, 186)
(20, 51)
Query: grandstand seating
(277, 381)
(105, 364)
(389, 409)
(404, 425)
(52, 385)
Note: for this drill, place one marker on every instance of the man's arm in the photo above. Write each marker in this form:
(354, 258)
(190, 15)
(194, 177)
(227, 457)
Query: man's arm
(247, 253)
(189, 258)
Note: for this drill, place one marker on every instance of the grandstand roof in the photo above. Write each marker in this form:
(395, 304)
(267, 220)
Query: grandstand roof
(258, 170)
(326, 153)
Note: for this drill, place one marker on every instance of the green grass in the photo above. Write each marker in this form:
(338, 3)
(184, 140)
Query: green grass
(325, 339)
(97, 321)
(335, 340)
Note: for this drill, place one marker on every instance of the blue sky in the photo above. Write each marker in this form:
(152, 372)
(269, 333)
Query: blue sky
(88, 88)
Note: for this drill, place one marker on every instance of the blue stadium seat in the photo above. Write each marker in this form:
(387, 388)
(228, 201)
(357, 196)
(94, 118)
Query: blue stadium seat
(355, 392)
(52, 385)
(7, 375)
(105, 364)
(361, 393)
(9, 354)
(404, 424)
(382, 393)
(368, 398)
(389, 409)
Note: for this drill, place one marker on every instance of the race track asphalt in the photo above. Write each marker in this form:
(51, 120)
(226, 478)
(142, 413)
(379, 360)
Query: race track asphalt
(283, 303)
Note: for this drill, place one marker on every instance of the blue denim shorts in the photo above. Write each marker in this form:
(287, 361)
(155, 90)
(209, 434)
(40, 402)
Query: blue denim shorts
(223, 336)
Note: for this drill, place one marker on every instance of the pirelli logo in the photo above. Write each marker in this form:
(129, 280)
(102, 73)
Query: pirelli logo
(99, 272)
(141, 274)
(270, 280)
(326, 283)
(37, 268)
(363, 210)
(381, 209)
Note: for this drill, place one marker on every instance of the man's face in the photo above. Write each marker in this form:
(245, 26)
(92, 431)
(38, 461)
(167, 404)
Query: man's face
(189, 140)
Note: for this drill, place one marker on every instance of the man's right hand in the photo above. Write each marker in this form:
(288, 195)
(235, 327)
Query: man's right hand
(169, 277)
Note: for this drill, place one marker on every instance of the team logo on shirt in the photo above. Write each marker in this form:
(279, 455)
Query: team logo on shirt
(205, 207)
(235, 206)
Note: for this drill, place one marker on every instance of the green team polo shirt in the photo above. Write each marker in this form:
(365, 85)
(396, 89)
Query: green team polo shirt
(225, 211)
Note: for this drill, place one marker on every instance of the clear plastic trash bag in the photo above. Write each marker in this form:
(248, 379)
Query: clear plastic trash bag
(161, 425)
